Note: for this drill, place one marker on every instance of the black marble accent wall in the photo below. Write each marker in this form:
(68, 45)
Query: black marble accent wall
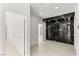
(60, 28)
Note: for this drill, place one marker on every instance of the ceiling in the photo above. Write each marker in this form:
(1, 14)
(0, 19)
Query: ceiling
(16, 7)
(52, 9)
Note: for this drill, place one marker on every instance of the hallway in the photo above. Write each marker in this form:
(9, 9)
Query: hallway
(52, 48)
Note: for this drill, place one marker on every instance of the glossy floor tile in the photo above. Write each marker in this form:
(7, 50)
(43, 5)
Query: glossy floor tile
(52, 48)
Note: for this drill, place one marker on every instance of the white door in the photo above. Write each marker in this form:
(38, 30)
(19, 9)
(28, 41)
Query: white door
(15, 33)
(40, 32)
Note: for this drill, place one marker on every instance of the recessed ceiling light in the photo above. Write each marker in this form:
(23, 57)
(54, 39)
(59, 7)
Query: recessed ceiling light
(40, 13)
(56, 7)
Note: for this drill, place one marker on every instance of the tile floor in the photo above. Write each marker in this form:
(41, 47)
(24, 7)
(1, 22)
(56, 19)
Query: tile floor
(52, 48)
(11, 49)
(45, 48)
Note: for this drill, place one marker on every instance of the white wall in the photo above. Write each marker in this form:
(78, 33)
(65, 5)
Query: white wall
(1, 41)
(34, 21)
(76, 30)
(23, 9)
(15, 31)
(34, 30)
(27, 32)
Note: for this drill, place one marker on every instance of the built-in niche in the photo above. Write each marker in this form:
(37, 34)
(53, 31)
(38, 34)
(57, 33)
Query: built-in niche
(60, 28)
